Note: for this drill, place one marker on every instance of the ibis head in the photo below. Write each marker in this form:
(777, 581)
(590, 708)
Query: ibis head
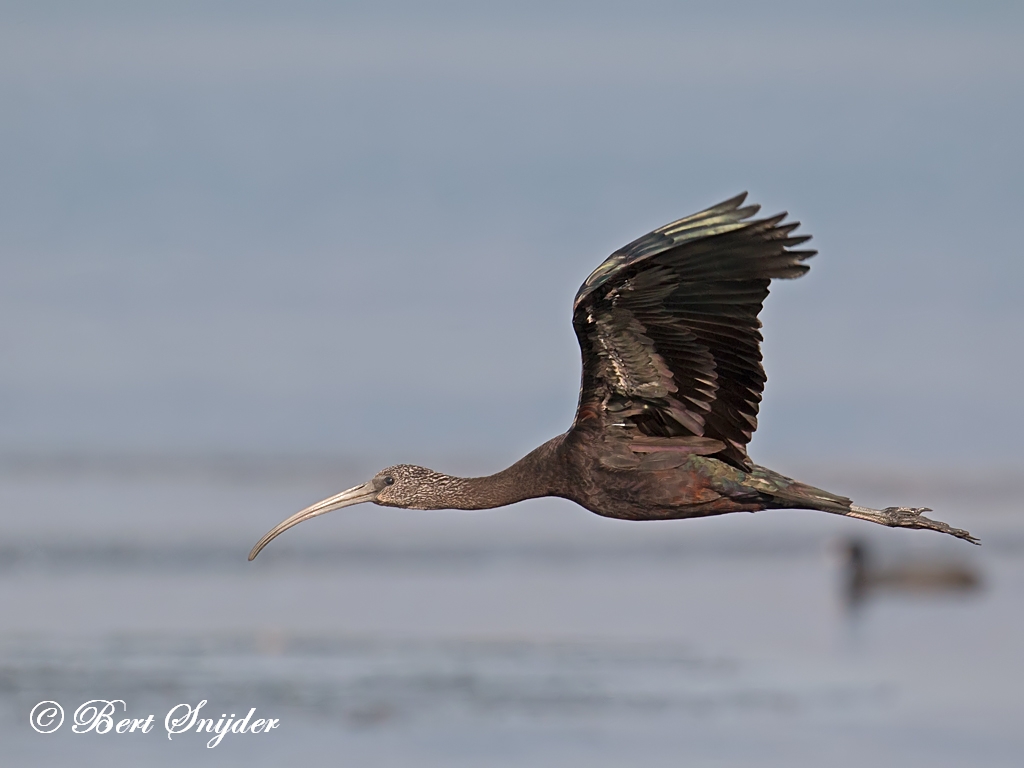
(402, 485)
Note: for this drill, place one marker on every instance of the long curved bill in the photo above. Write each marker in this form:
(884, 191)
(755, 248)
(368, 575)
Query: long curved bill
(357, 495)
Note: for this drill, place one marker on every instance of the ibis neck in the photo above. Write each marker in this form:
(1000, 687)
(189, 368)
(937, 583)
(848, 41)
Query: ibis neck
(535, 475)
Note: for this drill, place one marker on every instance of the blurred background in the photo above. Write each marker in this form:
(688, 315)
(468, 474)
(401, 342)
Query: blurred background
(252, 252)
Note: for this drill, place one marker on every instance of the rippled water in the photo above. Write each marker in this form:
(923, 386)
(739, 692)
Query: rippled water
(537, 634)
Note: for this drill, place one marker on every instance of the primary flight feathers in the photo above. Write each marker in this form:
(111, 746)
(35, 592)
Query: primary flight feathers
(669, 332)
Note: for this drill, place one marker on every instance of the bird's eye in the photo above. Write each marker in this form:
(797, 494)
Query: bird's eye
(389, 480)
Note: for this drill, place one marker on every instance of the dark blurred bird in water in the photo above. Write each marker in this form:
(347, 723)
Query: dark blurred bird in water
(672, 381)
(917, 575)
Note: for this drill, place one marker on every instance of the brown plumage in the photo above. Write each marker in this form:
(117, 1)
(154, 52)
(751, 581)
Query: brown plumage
(672, 380)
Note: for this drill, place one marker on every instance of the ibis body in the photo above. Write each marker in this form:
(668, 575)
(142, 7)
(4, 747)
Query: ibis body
(672, 381)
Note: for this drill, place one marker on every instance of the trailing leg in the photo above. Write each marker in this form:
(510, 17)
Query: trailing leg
(907, 517)
(783, 492)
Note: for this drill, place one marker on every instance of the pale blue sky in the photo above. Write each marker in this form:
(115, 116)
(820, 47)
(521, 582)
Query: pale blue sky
(291, 227)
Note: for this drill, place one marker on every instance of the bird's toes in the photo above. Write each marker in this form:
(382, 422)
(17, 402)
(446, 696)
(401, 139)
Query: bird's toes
(906, 511)
(913, 517)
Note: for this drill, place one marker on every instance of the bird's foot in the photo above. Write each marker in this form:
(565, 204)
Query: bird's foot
(908, 517)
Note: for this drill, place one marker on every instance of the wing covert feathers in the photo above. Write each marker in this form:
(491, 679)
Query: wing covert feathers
(669, 332)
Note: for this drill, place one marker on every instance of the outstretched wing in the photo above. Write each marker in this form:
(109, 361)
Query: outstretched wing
(669, 333)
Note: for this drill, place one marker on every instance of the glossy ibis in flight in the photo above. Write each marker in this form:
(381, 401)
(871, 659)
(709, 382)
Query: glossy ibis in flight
(672, 380)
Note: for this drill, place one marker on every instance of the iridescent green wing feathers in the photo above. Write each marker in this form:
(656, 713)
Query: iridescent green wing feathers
(669, 332)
